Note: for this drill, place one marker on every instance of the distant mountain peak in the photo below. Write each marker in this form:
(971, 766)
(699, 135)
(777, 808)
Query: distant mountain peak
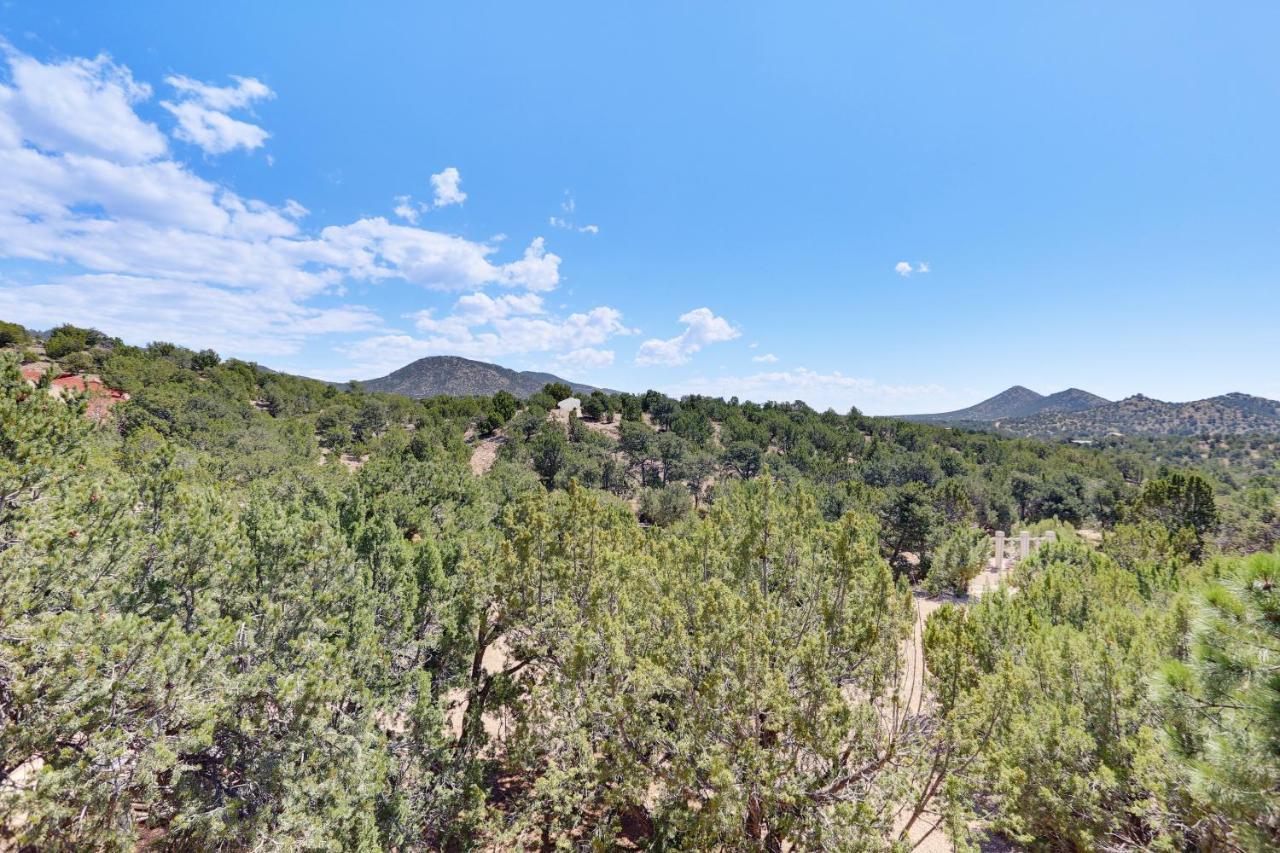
(1228, 414)
(1016, 402)
(455, 376)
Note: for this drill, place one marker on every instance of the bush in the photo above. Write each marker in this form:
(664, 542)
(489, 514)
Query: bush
(67, 339)
(1221, 702)
(594, 407)
(490, 424)
(558, 390)
(11, 334)
(957, 561)
(665, 506)
(78, 362)
(205, 359)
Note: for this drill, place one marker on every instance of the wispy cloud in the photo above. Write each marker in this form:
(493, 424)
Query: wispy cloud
(904, 269)
(586, 358)
(201, 111)
(568, 205)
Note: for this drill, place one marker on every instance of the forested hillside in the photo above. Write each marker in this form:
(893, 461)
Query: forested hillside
(1229, 414)
(1015, 402)
(247, 610)
(463, 377)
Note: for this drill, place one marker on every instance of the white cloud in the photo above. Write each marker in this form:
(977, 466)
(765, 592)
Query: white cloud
(482, 325)
(167, 254)
(485, 327)
(586, 358)
(376, 249)
(557, 222)
(904, 269)
(80, 106)
(568, 205)
(537, 270)
(186, 313)
(222, 98)
(702, 327)
(446, 186)
(820, 390)
(202, 113)
(215, 132)
(767, 358)
(406, 210)
(480, 308)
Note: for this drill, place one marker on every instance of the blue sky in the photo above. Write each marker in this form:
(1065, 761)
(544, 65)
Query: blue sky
(711, 197)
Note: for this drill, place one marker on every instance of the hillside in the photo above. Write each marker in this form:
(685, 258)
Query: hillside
(1015, 402)
(462, 377)
(1229, 414)
(1070, 400)
(237, 535)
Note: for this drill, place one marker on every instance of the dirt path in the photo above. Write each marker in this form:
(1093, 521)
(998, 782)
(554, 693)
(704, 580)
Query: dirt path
(486, 453)
(913, 683)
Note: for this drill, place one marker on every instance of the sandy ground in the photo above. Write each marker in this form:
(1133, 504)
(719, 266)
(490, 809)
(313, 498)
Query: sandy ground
(353, 463)
(913, 687)
(1093, 537)
(495, 659)
(486, 453)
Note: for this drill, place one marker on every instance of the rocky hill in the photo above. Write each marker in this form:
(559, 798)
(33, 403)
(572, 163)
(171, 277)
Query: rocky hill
(1015, 402)
(462, 377)
(1070, 400)
(1139, 415)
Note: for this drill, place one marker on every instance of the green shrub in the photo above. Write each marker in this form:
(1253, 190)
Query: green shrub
(957, 561)
(665, 506)
(67, 339)
(11, 334)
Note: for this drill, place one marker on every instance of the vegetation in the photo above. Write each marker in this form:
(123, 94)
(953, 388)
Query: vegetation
(252, 610)
(1228, 414)
(448, 374)
(12, 334)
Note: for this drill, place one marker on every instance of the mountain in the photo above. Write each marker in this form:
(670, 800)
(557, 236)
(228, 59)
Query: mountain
(1007, 404)
(462, 377)
(1015, 402)
(1070, 400)
(1138, 415)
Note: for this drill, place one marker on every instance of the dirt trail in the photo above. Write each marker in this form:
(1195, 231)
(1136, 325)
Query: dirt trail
(913, 683)
(486, 453)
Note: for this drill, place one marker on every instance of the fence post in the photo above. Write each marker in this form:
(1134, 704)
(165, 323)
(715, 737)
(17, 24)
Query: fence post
(999, 550)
